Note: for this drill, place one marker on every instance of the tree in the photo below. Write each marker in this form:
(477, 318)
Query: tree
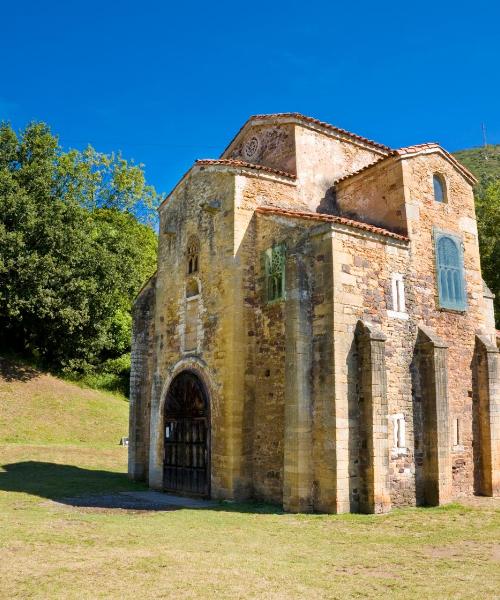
(488, 221)
(73, 252)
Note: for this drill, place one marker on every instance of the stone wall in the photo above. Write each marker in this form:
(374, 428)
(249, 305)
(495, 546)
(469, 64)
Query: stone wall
(375, 196)
(310, 396)
(321, 160)
(141, 377)
(458, 330)
(190, 213)
(269, 145)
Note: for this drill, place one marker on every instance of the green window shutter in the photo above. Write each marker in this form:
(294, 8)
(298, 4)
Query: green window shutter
(450, 271)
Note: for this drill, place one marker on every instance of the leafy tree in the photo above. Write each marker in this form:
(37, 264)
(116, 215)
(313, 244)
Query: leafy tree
(73, 252)
(485, 164)
(488, 220)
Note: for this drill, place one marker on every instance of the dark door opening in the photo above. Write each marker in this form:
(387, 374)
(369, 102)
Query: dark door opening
(186, 468)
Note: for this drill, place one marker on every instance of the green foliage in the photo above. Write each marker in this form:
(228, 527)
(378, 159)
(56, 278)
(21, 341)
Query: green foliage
(485, 164)
(73, 252)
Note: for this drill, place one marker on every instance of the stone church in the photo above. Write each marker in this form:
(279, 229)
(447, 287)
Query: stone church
(318, 334)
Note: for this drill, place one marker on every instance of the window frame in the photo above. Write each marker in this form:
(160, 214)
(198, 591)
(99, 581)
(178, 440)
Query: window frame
(461, 307)
(399, 434)
(398, 296)
(444, 188)
(267, 258)
(192, 256)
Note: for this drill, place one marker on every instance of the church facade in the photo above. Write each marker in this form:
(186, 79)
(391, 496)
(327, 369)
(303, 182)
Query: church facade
(318, 333)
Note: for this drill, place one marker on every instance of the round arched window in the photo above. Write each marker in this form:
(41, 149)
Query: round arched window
(439, 188)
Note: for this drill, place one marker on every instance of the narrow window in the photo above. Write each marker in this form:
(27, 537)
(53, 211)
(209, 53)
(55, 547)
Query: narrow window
(456, 432)
(193, 251)
(398, 293)
(274, 264)
(439, 188)
(399, 432)
(450, 272)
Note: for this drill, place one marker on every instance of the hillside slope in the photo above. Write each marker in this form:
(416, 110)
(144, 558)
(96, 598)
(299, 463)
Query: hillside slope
(38, 408)
(483, 162)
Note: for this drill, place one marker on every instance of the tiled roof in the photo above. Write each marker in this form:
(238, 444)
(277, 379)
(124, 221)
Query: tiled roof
(242, 164)
(329, 219)
(310, 121)
(365, 168)
(435, 146)
(408, 150)
(313, 121)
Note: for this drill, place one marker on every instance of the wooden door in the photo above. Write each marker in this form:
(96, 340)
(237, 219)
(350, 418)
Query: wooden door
(187, 438)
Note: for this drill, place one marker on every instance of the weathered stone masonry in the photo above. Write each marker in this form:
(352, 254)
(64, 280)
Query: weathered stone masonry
(356, 389)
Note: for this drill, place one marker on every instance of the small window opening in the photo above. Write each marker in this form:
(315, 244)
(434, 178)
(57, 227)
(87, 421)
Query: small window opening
(398, 293)
(456, 432)
(439, 188)
(192, 288)
(399, 432)
(193, 251)
(274, 259)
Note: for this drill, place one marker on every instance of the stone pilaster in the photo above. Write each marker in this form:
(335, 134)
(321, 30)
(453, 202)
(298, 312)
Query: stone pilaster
(141, 362)
(437, 472)
(297, 485)
(488, 397)
(156, 447)
(373, 413)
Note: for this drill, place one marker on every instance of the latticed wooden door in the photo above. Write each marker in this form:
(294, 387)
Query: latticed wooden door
(187, 438)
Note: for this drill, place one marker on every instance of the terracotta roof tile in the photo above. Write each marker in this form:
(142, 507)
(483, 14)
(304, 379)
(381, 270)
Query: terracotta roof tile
(408, 150)
(329, 219)
(435, 146)
(375, 162)
(313, 121)
(242, 164)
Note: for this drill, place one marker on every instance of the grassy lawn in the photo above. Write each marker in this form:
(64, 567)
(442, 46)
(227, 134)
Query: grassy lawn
(51, 550)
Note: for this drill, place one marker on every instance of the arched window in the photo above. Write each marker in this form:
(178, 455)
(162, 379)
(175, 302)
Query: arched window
(450, 272)
(193, 252)
(274, 265)
(439, 188)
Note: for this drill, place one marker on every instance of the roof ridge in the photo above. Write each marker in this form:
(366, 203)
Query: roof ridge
(414, 149)
(331, 219)
(301, 117)
(243, 164)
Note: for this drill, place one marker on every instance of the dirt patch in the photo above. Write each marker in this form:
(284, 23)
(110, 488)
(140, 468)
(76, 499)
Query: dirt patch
(480, 502)
(458, 551)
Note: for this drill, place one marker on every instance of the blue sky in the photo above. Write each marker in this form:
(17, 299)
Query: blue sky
(168, 83)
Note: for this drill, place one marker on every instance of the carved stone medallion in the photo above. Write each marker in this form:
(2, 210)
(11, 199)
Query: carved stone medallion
(251, 147)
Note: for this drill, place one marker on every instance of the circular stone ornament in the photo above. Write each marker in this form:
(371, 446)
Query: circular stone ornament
(251, 147)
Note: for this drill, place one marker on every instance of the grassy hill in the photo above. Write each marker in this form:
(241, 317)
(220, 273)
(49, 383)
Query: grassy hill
(37, 408)
(484, 163)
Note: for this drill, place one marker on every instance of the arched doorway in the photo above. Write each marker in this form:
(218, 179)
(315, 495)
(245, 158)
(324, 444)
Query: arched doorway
(186, 466)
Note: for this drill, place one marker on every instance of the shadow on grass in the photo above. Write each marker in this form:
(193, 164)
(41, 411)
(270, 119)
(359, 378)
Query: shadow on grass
(75, 486)
(11, 371)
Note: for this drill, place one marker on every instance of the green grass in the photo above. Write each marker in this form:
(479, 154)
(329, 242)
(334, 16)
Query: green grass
(58, 551)
(39, 408)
